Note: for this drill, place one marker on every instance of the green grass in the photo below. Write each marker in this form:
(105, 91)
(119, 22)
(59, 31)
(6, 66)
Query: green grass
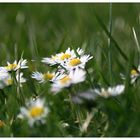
(40, 30)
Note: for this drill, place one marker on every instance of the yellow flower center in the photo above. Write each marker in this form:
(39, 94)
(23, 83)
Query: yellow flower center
(1, 124)
(65, 79)
(65, 56)
(11, 66)
(105, 94)
(74, 62)
(48, 76)
(9, 81)
(134, 72)
(36, 111)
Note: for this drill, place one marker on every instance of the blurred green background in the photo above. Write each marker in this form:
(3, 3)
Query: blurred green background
(46, 25)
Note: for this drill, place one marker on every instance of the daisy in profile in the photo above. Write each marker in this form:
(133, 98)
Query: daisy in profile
(43, 77)
(134, 75)
(65, 80)
(110, 91)
(21, 64)
(35, 111)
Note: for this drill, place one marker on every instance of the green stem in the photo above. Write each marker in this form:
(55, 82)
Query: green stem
(109, 42)
(89, 77)
(76, 112)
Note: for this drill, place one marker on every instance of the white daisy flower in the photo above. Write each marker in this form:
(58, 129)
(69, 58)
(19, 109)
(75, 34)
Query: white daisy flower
(134, 74)
(63, 56)
(16, 65)
(111, 91)
(65, 80)
(43, 77)
(60, 57)
(51, 61)
(34, 111)
(78, 62)
(5, 78)
(3, 69)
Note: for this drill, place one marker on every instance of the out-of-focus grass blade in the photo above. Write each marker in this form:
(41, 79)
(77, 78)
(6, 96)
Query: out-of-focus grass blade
(136, 39)
(103, 78)
(109, 35)
(61, 44)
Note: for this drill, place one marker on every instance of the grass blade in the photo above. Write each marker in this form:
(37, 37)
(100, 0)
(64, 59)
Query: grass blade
(109, 42)
(110, 36)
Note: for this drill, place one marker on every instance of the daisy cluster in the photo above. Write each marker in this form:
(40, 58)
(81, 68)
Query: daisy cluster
(70, 69)
(8, 72)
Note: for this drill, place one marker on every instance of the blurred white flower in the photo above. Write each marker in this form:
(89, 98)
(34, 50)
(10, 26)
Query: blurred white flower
(111, 91)
(34, 111)
(51, 61)
(134, 74)
(21, 64)
(43, 77)
(5, 78)
(65, 80)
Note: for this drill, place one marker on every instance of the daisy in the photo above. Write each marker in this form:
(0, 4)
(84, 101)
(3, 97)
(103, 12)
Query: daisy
(111, 91)
(65, 80)
(34, 111)
(60, 57)
(16, 65)
(78, 62)
(68, 54)
(5, 78)
(63, 56)
(134, 75)
(51, 61)
(43, 77)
